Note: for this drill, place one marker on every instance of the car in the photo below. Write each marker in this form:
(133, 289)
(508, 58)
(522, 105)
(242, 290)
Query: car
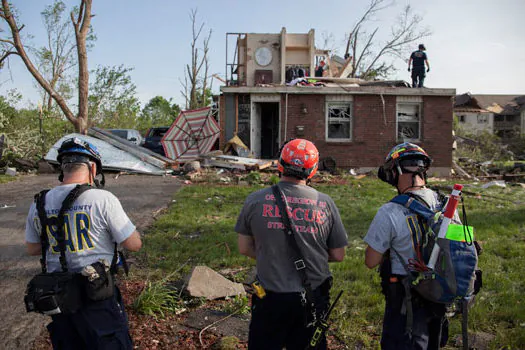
(153, 137)
(131, 135)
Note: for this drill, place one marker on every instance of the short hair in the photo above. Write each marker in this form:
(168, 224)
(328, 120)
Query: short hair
(69, 168)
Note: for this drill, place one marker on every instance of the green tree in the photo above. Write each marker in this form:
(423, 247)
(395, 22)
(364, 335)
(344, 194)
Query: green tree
(112, 98)
(158, 112)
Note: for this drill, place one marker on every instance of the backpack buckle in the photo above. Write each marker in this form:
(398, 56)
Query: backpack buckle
(299, 264)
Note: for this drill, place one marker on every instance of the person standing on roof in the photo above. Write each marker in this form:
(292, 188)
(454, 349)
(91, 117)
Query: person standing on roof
(418, 59)
(93, 226)
(282, 316)
(405, 168)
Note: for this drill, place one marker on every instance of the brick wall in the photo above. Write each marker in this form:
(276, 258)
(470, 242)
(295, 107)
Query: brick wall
(373, 129)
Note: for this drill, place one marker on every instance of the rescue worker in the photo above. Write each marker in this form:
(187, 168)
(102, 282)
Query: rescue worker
(283, 317)
(389, 234)
(418, 59)
(95, 222)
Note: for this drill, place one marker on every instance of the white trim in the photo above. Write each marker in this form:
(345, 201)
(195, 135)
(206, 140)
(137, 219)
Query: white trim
(420, 121)
(265, 97)
(339, 98)
(413, 99)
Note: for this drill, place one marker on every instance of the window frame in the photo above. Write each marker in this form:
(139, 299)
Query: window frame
(482, 118)
(350, 106)
(420, 121)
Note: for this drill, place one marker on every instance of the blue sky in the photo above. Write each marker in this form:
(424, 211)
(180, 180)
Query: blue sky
(476, 46)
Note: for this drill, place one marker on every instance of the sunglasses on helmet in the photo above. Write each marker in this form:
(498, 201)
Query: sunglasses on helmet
(412, 165)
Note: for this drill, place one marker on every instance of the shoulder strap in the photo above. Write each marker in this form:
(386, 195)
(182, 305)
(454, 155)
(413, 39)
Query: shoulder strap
(66, 205)
(413, 204)
(40, 200)
(45, 222)
(291, 236)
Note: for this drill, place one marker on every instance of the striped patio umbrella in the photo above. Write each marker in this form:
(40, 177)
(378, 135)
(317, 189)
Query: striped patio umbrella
(193, 133)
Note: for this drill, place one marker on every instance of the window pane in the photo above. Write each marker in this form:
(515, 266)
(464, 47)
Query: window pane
(337, 130)
(339, 121)
(408, 131)
(408, 117)
(407, 112)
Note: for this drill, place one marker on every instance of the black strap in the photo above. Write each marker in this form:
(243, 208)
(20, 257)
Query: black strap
(116, 255)
(58, 222)
(291, 235)
(40, 199)
(464, 323)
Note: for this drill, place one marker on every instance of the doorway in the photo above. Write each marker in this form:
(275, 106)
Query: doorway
(265, 130)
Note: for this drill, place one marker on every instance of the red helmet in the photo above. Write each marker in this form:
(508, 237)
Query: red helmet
(299, 158)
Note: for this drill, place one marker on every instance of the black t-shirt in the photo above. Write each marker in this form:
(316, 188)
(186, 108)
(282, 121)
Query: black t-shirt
(418, 58)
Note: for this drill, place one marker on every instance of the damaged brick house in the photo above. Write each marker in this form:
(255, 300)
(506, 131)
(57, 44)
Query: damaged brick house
(502, 115)
(272, 94)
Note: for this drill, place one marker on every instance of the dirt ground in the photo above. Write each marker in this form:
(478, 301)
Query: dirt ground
(142, 198)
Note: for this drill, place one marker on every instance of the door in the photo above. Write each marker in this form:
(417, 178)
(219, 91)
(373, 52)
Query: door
(265, 129)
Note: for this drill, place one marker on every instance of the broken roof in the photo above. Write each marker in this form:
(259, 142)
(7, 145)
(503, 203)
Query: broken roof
(499, 104)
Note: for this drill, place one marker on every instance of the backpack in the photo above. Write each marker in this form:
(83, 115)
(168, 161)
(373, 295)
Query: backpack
(456, 275)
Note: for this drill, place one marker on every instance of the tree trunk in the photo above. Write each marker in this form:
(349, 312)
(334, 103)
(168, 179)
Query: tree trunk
(81, 31)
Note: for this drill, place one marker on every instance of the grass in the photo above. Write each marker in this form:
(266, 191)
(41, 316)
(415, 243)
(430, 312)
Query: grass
(198, 229)
(5, 179)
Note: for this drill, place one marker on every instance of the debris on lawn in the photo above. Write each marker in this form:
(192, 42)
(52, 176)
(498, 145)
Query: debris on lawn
(10, 172)
(498, 183)
(234, 162)
(236, 147)
(205, 282)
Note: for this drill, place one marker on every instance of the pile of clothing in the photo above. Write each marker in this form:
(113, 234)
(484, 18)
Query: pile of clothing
(305, 82)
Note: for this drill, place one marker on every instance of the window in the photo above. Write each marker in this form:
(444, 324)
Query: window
(482, 119)
(409, 121)
(461, 118)
(338, 121)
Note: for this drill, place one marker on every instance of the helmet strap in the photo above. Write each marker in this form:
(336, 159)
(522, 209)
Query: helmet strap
(100, 183)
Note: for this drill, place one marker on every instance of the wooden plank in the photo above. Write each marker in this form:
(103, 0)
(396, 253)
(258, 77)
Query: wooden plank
(142, 153)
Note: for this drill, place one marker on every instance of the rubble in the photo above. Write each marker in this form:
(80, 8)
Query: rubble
(119, 154)
(205, 282)
(10, 172)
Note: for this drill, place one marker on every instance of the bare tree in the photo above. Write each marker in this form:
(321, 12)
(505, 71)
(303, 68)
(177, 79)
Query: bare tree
(368, 57)
(195, 84)
(81, 23)
(57, 57)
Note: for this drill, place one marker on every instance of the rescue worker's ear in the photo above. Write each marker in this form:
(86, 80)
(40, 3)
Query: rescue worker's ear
(387, 176)
(382, 174)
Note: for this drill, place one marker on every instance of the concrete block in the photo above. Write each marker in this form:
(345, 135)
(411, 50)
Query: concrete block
(10, 172)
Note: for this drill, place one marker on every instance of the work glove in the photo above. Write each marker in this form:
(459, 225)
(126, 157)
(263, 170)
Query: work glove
(409, 69)
(428, 69)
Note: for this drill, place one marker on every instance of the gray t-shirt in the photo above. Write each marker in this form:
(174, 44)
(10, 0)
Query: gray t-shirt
(92, 226)
(390, 229)
(319, 228)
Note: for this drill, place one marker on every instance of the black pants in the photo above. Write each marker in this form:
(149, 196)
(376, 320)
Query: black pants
(280, 320)
(96, 326)
(418, 76)
(428, 322)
